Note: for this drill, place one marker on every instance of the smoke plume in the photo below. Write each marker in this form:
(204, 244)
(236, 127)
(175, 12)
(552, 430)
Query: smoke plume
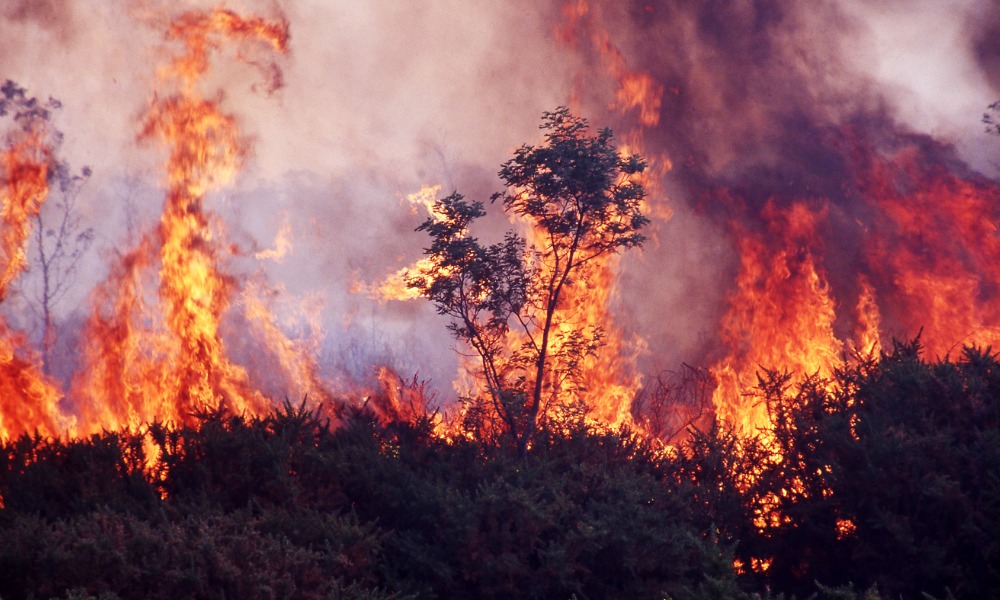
(753, 114)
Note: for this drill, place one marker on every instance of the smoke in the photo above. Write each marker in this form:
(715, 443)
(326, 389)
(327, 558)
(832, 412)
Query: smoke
(763, 102)
(382, 97)
(47, 15)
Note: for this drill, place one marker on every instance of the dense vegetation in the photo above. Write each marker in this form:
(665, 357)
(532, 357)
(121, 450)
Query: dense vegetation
(889, 488)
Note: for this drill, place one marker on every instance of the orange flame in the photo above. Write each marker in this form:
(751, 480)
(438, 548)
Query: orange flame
(934, 249)
(25, 186)
(394, 286)
(608, 379)
(636, 90)
(611, 379)
(282, 245)
(781, 314)
(140, 368)
(28, 400)
(297, 367)
(869, 319)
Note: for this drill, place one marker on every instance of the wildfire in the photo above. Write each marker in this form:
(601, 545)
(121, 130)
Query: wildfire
(25, 186)
(869, 319)
(282, 245)
(934, 249)
(297, 367)
(610, 380)
(927, 257)
(781, 314)
(906, 242)
(139, 366)
(636, 90)
(394, 287)
(28, 400)
(930, 255)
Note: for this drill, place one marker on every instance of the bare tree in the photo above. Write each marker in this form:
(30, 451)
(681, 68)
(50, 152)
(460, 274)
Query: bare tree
(674, 402)
(60, 237)
(61, 240)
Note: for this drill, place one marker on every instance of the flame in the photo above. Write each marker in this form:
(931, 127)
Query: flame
(394, 286)
(297, 365)
(930, 260)
(610, 379)
(636, 90)
(25, 186)
(425, 198)
(28, 400)
(401, 401)
(120, 338)
(781, 315)
(934, 248)
(845, 528)
(164, 357)
(869, 319)
(930, 263)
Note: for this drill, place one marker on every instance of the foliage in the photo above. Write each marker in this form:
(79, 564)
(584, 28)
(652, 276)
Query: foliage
(582, 201)
(888, 487)
(890, 476)
(287, 506)
(28, 113)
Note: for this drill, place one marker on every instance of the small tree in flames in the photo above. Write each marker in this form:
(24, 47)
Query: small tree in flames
(506, 300)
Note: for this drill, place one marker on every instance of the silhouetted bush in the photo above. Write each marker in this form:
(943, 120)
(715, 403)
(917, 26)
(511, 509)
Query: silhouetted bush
(888, 480)
(890, 476)
(55, 478)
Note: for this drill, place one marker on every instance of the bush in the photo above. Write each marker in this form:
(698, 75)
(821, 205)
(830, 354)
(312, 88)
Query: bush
(888, 479)
(890, 476)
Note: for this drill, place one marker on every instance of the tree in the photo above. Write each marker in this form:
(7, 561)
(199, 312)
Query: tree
(582, 201)
(61, 240)
(60, 237)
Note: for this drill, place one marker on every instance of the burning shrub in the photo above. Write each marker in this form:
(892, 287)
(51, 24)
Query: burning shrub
(886, 478)
(887, 475)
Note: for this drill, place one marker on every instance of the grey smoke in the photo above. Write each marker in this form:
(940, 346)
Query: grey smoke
(383, 97)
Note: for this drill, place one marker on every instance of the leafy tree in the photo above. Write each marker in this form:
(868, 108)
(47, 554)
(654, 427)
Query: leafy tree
(582, 200)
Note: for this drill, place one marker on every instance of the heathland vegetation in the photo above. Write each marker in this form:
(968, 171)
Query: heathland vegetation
(882, 482)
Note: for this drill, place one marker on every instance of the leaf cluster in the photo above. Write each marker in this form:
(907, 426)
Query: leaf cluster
(27, 111)
(989, 120)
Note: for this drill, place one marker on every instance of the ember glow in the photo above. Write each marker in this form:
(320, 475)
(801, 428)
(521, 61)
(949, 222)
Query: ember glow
(807, 207)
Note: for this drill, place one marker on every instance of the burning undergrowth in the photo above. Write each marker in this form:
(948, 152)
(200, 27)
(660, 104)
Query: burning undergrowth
(797, 222)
